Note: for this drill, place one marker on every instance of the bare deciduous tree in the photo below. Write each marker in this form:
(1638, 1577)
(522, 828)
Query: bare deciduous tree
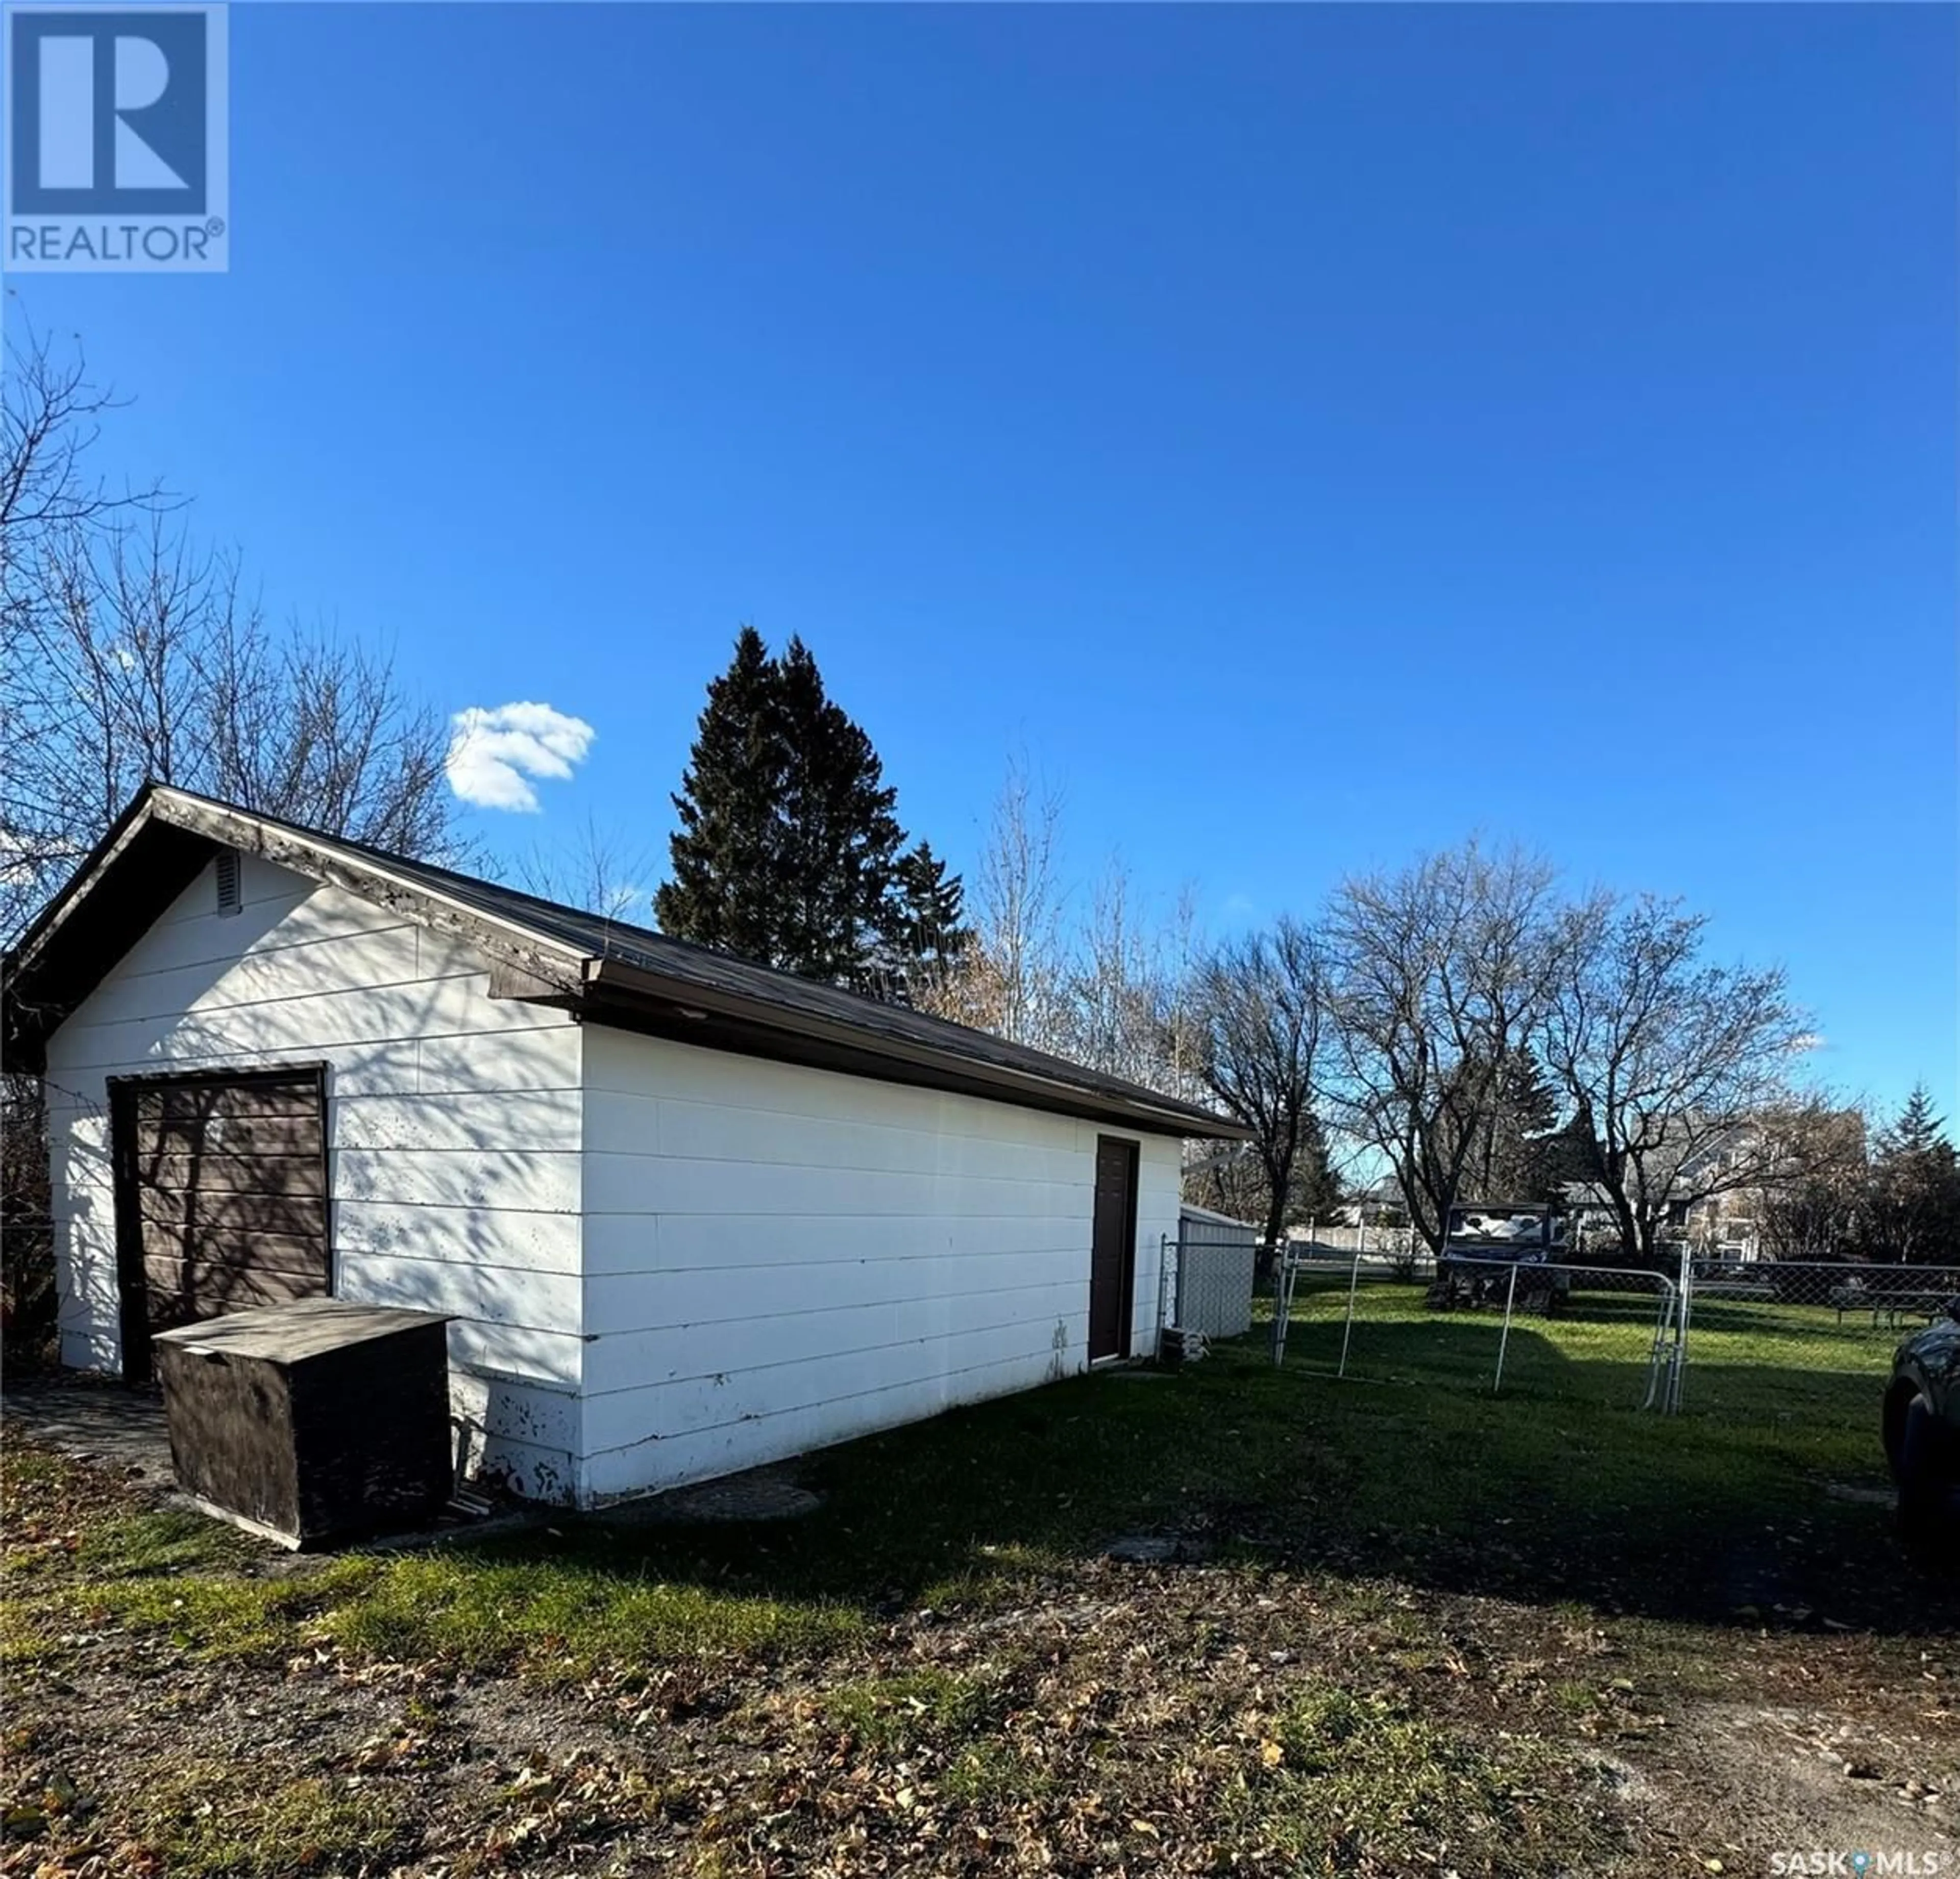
(1010, 980)
(1110, 989)
(1261, 1004)
(595, 871)
(127, 655)
(1817, 1208)
(1441, 972)
(1126, 990)
(1674, 1068)
(49, 419)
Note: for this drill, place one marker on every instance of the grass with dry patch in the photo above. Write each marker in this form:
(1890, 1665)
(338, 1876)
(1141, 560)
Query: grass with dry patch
(1433, 1627)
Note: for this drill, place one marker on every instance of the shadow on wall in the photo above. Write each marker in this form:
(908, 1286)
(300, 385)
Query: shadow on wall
(431, 1208)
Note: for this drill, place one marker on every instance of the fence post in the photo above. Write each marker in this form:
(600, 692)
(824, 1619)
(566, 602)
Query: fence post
(1683, 1305)
(1163, 1286)
(1348, 1329)
(1279, 1301)
(1510, 1297)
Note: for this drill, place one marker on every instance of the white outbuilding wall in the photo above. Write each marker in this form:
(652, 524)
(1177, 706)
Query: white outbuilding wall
(453, 1124)
(665, 1262)
(778, 1258)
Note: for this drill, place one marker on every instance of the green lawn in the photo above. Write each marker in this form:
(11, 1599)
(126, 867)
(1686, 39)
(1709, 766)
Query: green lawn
(1555, 1488)
(1383, 1502)
(1799, 1366)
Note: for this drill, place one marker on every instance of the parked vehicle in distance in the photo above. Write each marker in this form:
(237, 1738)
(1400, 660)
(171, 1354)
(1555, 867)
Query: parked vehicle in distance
(1485, 1242)
(1922, 1426)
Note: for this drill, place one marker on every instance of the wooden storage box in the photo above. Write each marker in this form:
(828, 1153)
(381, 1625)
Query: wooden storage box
(311, 1422)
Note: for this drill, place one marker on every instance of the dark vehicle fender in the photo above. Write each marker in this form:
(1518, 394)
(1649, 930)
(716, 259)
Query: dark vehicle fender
(1925, 1364)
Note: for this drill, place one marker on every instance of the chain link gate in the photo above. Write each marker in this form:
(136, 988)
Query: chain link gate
(1763, 1338)
(1611, 1335)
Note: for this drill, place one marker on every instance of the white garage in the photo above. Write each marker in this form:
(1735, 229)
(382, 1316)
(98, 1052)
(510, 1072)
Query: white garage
(691, 1214)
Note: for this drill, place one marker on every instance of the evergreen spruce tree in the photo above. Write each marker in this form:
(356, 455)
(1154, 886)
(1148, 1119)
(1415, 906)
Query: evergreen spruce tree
(839, 837)
(1529, 1100)
(1920, 1130)
(1530, 1111)
(1915, 1191)
(724, 892)
(928, 911)
(1507, 1158)
(787, 850)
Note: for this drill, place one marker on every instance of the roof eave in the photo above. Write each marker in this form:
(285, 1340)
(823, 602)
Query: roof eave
(323, 858)
(120, 833)
(536, 967)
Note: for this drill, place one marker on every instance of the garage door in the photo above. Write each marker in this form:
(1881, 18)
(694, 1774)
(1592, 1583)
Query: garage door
(220, 1198)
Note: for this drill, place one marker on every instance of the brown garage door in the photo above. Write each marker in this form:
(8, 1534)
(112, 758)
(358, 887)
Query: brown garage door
(221, 1197)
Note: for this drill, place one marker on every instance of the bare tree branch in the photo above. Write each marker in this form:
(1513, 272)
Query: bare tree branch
(1260, 1005)
(1441, 973)
(1674, 1068)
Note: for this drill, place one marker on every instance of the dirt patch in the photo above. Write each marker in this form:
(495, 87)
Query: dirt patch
(1134, 1716)
(716, 1699)
(101, 1420)
(1883, 1775)
(758, 1494)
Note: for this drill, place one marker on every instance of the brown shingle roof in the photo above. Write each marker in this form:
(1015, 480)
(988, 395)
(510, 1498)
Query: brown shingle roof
(608, 971)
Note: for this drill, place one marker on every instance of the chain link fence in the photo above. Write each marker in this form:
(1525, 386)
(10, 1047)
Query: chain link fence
(1605, 1335)
(1825, 1333)
(1766, 1341)
(1208, 1274)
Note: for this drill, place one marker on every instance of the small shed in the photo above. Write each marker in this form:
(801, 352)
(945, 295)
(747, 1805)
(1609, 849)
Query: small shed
(1214, 1269)
(685, 1214)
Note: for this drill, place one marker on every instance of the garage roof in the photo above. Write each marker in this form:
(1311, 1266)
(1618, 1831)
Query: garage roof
(539, 951)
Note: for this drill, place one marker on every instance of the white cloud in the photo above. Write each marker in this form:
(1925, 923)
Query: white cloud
(494, 751)
(18, 865)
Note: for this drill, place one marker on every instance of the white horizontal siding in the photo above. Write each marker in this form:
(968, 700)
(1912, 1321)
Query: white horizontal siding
(546, 1123)
(665, 1262)
(270, 974)
(515, 1237)
(365, 1013)
(777, 1258)
(764, 1338)
(910, 1129)
(693, 1405)
(500, 1180)
(525, 1431)
(453, 1126)
(809, 1190)
(726, 1447)
(712, 1295)
(625, 1242)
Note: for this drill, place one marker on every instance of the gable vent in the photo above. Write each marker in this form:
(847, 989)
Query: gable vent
(231, 895)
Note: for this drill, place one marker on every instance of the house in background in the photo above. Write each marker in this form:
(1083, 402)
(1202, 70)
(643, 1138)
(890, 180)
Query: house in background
(689, 1214)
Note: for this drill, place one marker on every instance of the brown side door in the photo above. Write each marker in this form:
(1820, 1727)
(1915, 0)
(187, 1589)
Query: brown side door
(1112, 1259)
(221, 1197)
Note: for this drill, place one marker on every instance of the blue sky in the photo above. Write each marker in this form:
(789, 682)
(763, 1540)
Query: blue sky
(1312, 434)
